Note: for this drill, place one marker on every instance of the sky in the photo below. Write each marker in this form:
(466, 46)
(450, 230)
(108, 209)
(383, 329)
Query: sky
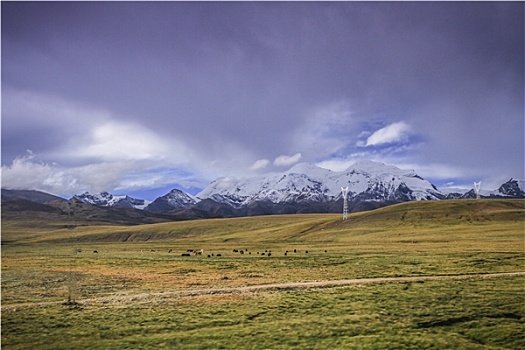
(139, 98)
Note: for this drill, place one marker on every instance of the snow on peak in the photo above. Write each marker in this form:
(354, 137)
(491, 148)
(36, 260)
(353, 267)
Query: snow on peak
(306, 168)
(175, 199)
(370, 167)
(106, 199)
(367, 180)
(180, 197)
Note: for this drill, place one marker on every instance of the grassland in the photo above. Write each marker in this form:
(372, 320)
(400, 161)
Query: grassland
(42, 269)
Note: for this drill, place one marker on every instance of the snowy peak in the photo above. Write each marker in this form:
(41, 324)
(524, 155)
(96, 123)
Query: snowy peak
(308, 168)
(176, 196)
(102, 199)
(304, 188)
(376, 181)
(106, 199)
(367, 181)
(175, 199)
(371, 167)
(511, 188)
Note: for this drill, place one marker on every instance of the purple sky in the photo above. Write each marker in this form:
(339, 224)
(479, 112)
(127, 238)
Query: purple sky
(142, 97)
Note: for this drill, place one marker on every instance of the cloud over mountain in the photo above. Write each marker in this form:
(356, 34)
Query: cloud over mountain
(284, 160)
(395, 132)
(143, 96)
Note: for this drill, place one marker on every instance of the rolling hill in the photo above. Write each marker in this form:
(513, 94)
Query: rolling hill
(431, 220)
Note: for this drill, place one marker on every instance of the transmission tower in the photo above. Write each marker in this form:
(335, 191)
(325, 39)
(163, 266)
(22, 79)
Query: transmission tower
(477, 187)
(345, 202)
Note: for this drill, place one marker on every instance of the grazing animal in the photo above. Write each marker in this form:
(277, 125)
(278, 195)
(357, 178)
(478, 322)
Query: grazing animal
(242, 252)
(95, 251)
(262, 253)
(285, 253)
(306, 252)
(235, 250)
(190, 250)
(269, 254)
(219, 255)
(198, 252)
(185, 254)
(295, 250)
(169, 251)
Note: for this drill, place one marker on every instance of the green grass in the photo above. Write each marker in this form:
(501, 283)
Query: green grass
(462, 314)
(41, 270)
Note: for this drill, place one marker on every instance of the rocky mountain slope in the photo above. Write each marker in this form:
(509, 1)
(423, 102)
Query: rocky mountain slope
(175, 199)
(511, 188)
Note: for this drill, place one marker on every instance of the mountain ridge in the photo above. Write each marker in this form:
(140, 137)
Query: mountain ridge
(366, 180)
(304, 188)
(173, 200)
(109, 200)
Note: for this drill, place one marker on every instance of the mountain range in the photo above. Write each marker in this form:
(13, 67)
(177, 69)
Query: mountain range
(108, 200)
(305, 188)
(366, 181)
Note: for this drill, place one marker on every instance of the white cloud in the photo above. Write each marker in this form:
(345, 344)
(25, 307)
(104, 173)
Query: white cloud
(284, 160)
(117, 140)
(84, 134)
(260, 164)
(91, 149)
(28, 172)
(395, 132)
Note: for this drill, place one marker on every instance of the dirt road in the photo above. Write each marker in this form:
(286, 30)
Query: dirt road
(148, 297)
(316, 284)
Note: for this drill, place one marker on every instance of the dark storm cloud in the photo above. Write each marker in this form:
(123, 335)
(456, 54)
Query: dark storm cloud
(254, 81)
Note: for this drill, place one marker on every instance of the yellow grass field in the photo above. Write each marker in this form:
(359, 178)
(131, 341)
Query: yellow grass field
(92, 274)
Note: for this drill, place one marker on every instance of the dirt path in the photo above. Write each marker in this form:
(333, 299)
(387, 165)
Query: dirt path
(148, 297)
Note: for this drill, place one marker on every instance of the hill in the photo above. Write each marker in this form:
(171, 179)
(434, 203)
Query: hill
(30, 215)
(30, 195)
(405, 222)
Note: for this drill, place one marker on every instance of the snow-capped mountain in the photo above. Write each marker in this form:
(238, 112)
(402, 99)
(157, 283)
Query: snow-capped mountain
(366, 181)
(511, 188)
(108, 200)
(304, 188)
(175, 199)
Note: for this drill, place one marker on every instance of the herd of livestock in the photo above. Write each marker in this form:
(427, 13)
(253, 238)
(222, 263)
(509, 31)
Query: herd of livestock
(191, 252)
